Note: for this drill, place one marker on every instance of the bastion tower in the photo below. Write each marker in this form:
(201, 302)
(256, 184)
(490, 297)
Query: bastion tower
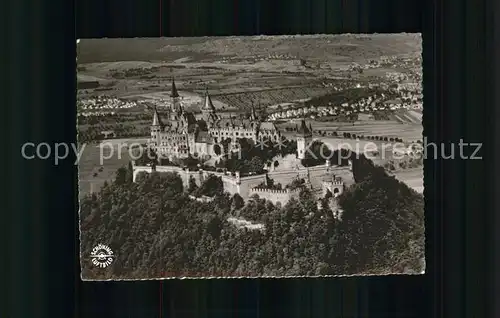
(175, 110)
(304, 137)
(208, 111)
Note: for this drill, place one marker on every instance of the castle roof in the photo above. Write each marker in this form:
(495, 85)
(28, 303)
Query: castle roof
(302, 129)
(253, 114)
(208, 102)
(229, 122)
(174, 92)
(186, 121)
(189, 117)
(156, 118)
(213, 118)
(267, 125)
(204, 137)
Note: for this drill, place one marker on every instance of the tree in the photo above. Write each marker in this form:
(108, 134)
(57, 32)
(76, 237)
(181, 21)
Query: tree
(381, 218)
(328, 195)
(141, 176)
(255, 165)
(237, 201)
(153, 227)
(217, 149)
(225, 144)
(318, 153)
(214, 226)
(189, 162)
(212, 186)
(192, 185)
(121, 176)
(296, 183)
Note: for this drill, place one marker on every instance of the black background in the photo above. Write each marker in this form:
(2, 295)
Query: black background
(40, 199)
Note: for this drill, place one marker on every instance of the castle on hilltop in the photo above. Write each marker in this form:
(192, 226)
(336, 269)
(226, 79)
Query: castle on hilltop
(182, 134)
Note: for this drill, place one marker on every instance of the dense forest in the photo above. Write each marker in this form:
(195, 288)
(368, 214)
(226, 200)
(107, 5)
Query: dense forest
(156, 230)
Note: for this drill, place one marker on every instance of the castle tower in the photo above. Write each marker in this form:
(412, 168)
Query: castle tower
(253, 114)
(208, 110)
(174, 95)
(254, 123)
(175, 105)
(156, 128)
(304, 137)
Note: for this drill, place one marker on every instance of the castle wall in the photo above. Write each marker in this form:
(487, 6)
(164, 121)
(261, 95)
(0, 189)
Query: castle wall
(244, 186)
(247, 183)
(202, 149)
(286, 176)
(336, 188)
(275, 196)
(139, 169)
(232, 184)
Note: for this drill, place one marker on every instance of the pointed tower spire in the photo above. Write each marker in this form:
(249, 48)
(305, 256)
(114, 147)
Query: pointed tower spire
(156, 118)
(303, 130)
(174, 93)
(208, 102)
(208, 110)
(253, 114)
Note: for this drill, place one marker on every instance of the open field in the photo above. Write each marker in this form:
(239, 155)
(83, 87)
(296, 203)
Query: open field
(90, 163)
(243, 100)
(414, 178)
(404, 131)
(385, 128)
(408, 117)
(143, 65)
(197, 49)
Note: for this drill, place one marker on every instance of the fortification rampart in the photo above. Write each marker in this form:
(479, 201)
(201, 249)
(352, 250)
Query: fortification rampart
(232, 183)
(275, 196)
(334, 183)
(246, 186)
